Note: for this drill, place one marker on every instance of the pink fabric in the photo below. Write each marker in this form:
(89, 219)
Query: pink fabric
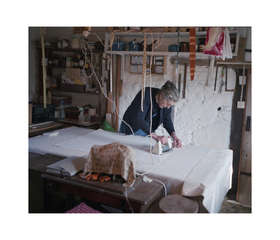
(82, 208)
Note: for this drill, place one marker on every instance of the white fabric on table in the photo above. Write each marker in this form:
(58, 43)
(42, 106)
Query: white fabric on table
(190, 170)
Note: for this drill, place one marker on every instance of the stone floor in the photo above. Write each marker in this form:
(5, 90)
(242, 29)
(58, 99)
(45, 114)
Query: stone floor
(230, 206)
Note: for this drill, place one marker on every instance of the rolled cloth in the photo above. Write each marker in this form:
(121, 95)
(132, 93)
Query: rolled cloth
(113, 158)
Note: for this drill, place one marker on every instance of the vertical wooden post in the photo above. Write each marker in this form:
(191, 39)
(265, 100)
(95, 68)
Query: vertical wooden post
(42, 32)
(144, 71)
(248, 84)
(118, 91)
(237, 116)
(109, 103)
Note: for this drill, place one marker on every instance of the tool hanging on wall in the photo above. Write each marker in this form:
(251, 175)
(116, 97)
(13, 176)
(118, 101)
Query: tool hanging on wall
(242, 82)
(42, 33)
(179, 84)
(225, 75)
(216, 76)
(208, 75)
(174, 72)
(222, 83)
(185, 80)
(192, 52)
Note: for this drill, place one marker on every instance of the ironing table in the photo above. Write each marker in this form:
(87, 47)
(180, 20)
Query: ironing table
(190, 171)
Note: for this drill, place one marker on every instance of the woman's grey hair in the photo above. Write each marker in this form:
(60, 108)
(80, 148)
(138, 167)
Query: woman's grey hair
(170, 92)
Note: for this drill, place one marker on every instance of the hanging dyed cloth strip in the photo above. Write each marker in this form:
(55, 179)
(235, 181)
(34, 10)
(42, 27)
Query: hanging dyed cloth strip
(144, 72)
(192, 52)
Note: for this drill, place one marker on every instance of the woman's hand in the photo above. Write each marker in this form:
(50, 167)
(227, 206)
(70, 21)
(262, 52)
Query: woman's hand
(177, 143)
(162, 139)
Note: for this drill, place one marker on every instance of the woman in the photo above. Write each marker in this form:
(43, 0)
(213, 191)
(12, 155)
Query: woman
(162, 102)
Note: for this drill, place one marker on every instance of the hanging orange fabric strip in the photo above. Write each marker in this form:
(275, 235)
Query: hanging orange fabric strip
(192, 52)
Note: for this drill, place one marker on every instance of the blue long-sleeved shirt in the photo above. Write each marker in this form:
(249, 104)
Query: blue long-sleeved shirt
(141, 120)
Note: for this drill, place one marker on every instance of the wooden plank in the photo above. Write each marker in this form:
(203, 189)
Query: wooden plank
(240, 51)
(144, 72)
(109, 103)
(30, 113)
(245, 189)
(42, 32)
(118, 90)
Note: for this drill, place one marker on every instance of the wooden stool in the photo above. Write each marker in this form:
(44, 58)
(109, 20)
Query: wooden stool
(178, 204)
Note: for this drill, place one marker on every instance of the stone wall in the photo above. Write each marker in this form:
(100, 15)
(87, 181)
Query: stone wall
(203, 117)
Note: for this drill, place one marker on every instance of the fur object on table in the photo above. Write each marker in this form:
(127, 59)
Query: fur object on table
(114, 158)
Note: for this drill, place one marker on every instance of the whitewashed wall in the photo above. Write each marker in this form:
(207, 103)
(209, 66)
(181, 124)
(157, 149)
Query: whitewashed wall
(197, 119)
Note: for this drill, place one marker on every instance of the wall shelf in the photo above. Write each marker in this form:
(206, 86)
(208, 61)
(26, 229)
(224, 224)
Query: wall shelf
(137, 53)
(174, 35)
(246, 65)
(158, 34)
(63, 67)
(232, 63)
(67, 50)
(58, 91)
(164, 34)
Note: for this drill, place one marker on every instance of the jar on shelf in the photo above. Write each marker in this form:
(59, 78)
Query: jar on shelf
(75, 43)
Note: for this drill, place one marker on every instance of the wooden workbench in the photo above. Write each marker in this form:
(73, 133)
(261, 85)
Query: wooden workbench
(143, 197)
(50, 126)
